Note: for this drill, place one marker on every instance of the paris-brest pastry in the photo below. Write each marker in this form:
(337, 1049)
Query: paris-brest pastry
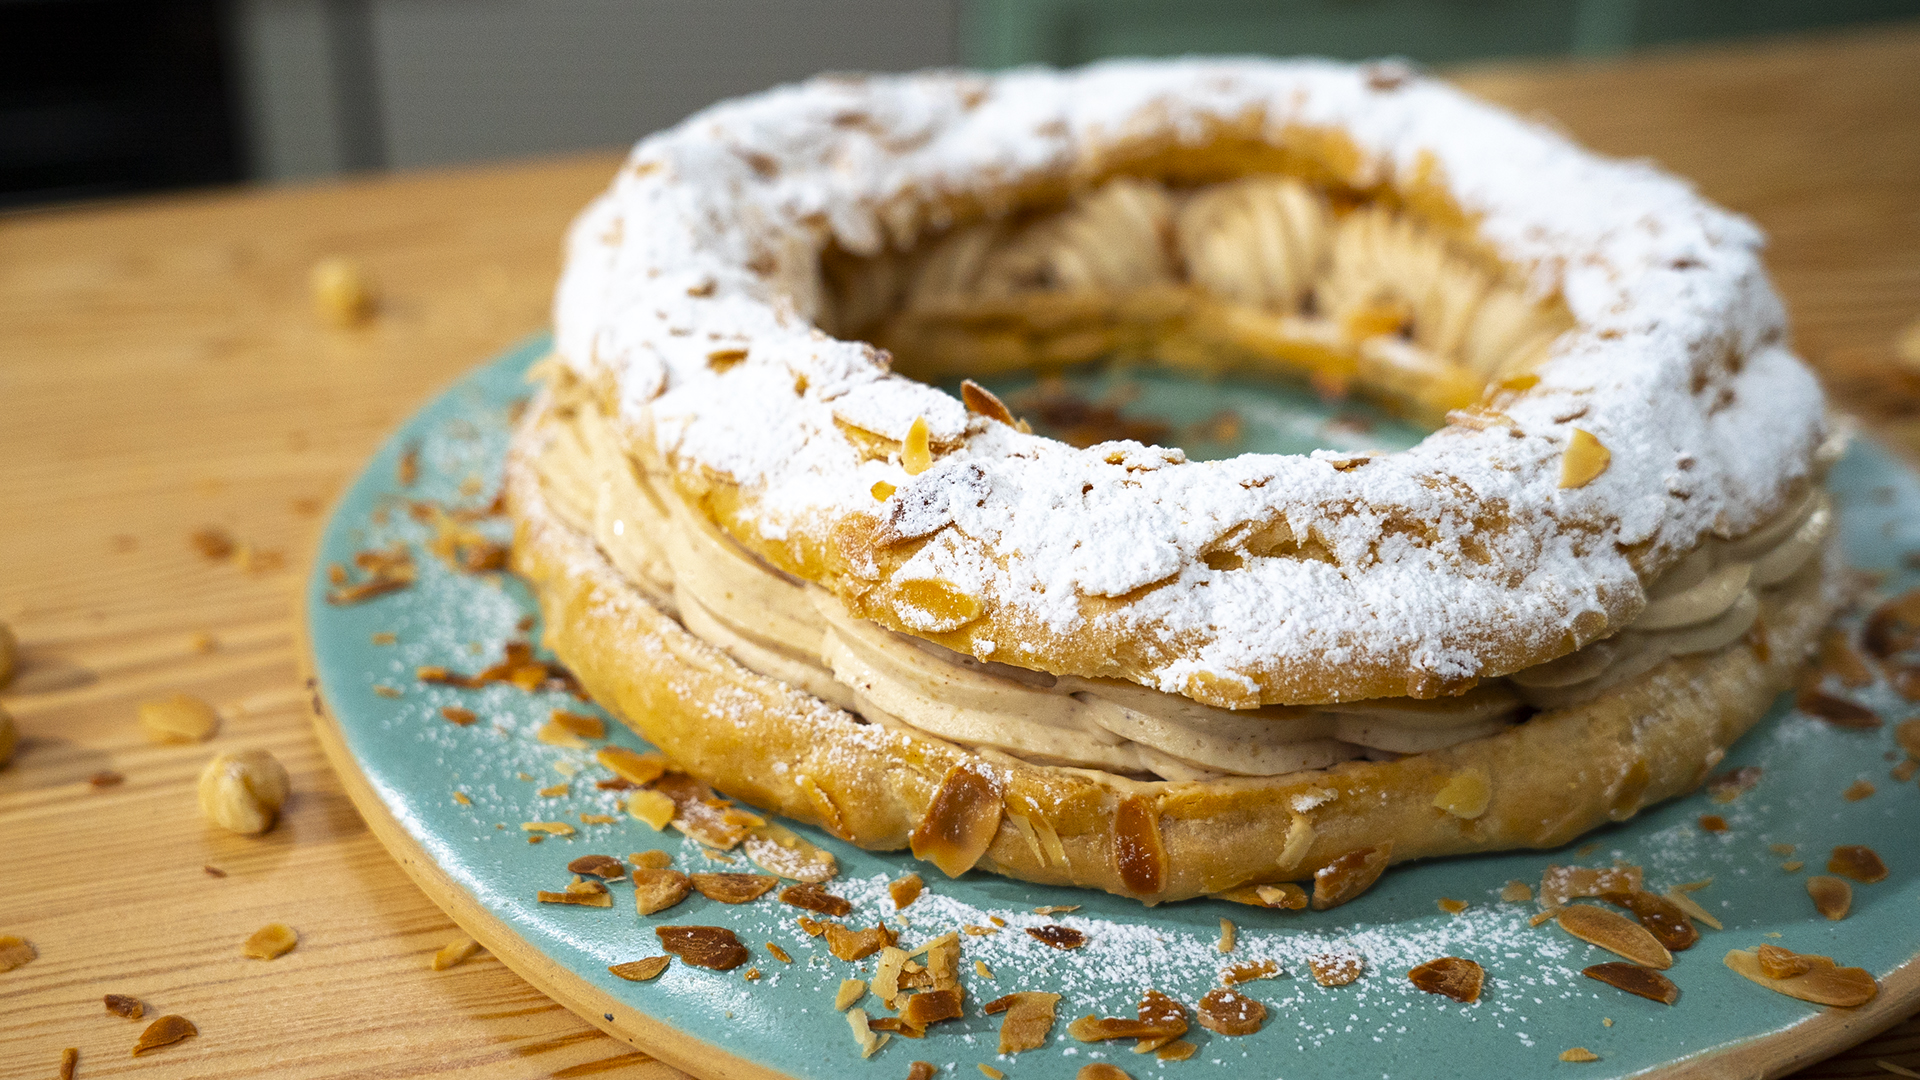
(764, 538)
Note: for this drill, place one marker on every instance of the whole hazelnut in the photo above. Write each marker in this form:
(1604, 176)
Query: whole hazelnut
(243, 791)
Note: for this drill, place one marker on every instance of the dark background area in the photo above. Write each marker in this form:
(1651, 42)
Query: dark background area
(113, 97)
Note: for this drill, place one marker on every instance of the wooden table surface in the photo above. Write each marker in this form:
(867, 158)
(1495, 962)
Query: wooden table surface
(161, 373)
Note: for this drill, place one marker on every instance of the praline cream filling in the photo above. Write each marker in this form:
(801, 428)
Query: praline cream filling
(799, 633)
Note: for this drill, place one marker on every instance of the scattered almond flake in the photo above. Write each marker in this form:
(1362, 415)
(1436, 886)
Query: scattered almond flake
(651, 860)
(905, 890)
(1229, 1012)
(779, 953)
(69, 1061)
(1286, 896)
(213, 871)
(271, 940)
(864, 1034)
(1713, 823)
(753, 974)
(712, 947)
(1793, 866)
(1516, 892)
(1634, 979)
(699, 813)
(1859, 862)
(1606, 1021)
(1579, 1053)
(992, 1073)
(615, 783)
(997, 921)
(455, 952)
(387, 571)
(733, 888)
(857, 944)
(651, 807)
(929, 1007)
(1450, 976)
(1159, 1015)
(461, 798)
(1337, 968)
(981, 969)
(1779, 963)
(1452, 906)
(1249, 970)
(605, 867)
(632, 766)
(554, 828)
(1028, 1021)
(1226, 937)
(1694, 911)
(578, 899)
(1346, 877)
(979, 931)
(124, 1006)
(597, 819)
(1056, 909)
(456, 715)
(1098, 1070)
(1781, 849)
(1666, 921)
(1539, 917)
(658, 888)
(1858, 790)
(1177, 1050)
(779, 850)
(1832, 897)
(386, 691)
(1823, 983)
(554, 791)
(921, 1070)
(811, 897)
(165, 1031)
(1836, 711)
(1057, 936)
(179, 719)
(1905, 771)
(1614, 933)
(537, 838)
(554, 733)
(716, 856)
(851, 991)
(644, 969)
(811, 927)
(386, 637)
(523, 776)
(1729, 785)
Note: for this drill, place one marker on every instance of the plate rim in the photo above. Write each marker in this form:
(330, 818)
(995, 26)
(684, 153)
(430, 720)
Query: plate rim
(1818, 1036)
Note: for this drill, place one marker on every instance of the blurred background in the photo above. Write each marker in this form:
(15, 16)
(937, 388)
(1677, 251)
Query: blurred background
(111, 97)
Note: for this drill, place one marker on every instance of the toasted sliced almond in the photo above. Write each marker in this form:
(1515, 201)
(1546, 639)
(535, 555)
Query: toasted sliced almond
(779, 850)
(658, 889)
(631, 765)
(1579, 1053)
(1336, 968)
(1585, 459)
(960, 820)
(1823, 983)
(1225, 945)
(651, 807)
(733, 888)
(1248, 971)
(851, 991)
(1057, 936)
(1229, 1012)
(1450, 976)
(916, 453)
(811, 897)
(929, 1007)
(857, 944)
(905, 890)
(271, 940)
(165, 1031)
(1856, 861)
(1779, 963)
(1346, 877)
(1177, 1050)
(454, 952)
(651, 860)
(1616, 934)
(921, 1070)
(124, 1006)
(1029, 1019)
(1832, 897)
(1560, 884)
(605, 867)
(641, 970)
(551, 828)
(1665, 920)
(1099, 1070)
(1635, 979)
(15, 951)
(1693, 909)
(1516, 892)
(180, 718)
(703, 946)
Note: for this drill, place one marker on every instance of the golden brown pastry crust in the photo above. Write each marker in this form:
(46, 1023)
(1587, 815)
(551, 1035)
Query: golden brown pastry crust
(1551, 778)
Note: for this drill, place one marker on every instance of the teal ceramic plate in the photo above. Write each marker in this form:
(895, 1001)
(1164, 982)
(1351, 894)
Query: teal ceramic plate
(400, 753)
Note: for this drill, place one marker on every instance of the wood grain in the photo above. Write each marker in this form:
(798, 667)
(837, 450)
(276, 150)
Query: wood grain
(161, 372)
